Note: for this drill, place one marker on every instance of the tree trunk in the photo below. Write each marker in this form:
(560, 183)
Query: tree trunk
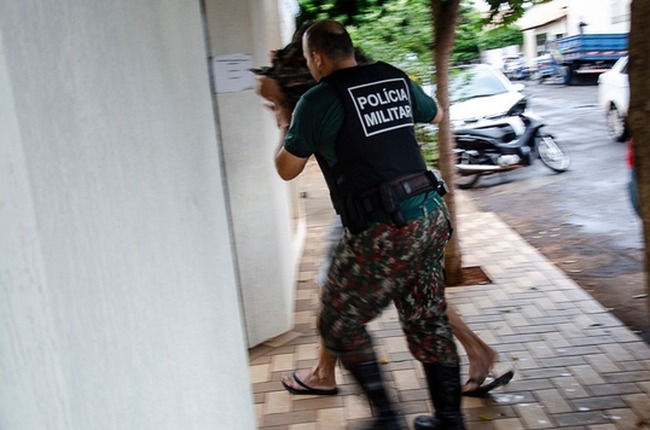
(639, 112)
(445, 16)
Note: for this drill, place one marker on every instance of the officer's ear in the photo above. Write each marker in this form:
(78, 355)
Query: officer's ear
(318, 59)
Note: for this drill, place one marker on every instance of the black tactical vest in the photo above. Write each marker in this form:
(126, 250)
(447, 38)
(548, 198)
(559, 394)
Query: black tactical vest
(377, 140)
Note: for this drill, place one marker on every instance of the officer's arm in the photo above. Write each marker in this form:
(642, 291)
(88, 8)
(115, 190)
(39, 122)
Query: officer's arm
(288, 165)
(438, 117)
(423, 103)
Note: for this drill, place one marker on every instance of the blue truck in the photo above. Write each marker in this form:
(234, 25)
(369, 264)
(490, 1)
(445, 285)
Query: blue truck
(585, 56)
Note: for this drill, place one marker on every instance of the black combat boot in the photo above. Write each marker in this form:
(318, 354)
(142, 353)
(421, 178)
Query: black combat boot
(445, 391)
(368, 375)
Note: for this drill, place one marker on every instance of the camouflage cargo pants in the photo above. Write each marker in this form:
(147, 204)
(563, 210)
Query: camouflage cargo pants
(384, 264)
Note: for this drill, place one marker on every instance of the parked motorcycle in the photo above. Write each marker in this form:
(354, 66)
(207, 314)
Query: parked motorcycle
(503, 145)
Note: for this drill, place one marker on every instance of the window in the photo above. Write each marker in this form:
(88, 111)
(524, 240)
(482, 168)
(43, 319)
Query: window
(541, 43)
(472, 82)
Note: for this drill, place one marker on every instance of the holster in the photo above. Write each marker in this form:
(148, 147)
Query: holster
(391, 205)
(437, 182)
(353, 216)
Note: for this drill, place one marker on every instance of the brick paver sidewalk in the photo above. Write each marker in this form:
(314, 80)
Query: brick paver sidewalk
(576, 365)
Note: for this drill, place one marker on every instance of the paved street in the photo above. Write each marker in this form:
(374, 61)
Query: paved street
(582, 219)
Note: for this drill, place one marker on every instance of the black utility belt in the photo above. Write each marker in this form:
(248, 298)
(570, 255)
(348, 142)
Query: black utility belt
(381, 198)
(357, 211)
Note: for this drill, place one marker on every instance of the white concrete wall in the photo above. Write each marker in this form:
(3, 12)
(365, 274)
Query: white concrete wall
(602, 16)
(118, 299)
(268, 229)
(529, 48)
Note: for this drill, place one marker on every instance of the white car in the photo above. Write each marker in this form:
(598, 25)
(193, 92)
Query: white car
(481, 92)
(614, 97)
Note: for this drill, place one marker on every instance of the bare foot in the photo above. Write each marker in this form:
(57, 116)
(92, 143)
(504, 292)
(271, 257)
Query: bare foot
(310, 381)
(479, 368)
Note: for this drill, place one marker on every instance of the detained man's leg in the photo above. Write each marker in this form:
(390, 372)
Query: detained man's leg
(480, 355)
(319, 380)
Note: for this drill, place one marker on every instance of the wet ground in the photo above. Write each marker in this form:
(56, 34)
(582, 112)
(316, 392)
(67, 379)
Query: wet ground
(582, 219)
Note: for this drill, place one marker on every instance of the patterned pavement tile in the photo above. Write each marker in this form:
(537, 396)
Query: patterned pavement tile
(576, 366)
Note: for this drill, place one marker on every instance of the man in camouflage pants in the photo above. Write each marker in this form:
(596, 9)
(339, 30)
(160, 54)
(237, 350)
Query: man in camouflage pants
(358, 122)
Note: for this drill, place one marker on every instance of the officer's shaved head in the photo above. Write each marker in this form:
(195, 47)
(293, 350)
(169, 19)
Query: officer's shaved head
(330, 38)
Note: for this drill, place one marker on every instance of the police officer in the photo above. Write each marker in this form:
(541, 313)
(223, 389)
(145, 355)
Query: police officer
(359, 124)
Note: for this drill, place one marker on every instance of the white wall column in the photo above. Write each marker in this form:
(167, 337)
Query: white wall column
(268, 228)
(119, 306)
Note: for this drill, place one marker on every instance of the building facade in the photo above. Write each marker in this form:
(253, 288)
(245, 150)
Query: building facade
(559, 18)
(147, 241)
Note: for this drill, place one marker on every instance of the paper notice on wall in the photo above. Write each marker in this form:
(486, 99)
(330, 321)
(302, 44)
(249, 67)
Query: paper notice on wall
(231, 73)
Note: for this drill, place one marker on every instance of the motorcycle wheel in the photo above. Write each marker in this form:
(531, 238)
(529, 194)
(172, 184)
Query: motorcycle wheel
(615, 124)
(553, 155)
(465, 182)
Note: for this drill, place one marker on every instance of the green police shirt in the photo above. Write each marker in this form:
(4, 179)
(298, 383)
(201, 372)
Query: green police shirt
(319, 114)
(318, 118)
